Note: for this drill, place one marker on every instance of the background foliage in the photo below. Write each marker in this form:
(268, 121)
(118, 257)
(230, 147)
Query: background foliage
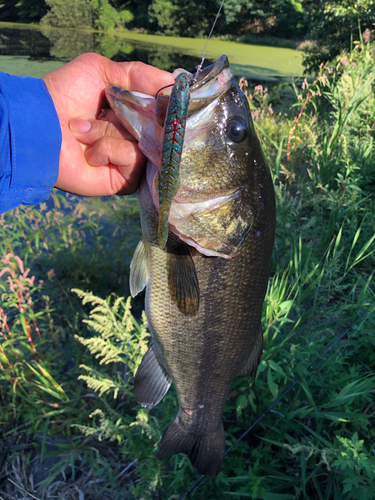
(328, 26)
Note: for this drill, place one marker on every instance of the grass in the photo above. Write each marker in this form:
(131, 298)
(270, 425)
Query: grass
(67, 357)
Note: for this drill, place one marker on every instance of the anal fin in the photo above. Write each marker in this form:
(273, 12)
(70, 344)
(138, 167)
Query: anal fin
(253, 360)
(182, 278)
(139, 269)
(151, 381)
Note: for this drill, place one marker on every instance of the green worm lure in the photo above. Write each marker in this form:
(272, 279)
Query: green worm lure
(174, 132)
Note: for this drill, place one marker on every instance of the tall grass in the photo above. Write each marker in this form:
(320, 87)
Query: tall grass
(67, 358)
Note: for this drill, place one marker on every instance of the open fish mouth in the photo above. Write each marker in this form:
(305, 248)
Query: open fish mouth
(214, 97)
(143, 115)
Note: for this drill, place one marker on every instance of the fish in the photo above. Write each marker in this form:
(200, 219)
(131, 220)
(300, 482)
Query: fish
(205, 290)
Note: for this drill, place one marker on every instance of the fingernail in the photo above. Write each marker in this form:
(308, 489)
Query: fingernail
(79, 125)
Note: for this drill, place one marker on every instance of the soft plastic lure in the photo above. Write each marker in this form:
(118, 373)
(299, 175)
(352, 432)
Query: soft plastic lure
(174, 132)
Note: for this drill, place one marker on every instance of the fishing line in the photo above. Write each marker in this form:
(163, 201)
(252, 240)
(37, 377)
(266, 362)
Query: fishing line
(199, 67)
(270, 408)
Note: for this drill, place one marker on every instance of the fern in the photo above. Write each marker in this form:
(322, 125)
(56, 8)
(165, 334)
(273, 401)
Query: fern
(101, 383)
(120, 339)
(105, 428)
(102, 348)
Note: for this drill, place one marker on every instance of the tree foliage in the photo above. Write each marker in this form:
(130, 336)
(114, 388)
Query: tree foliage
(24, 11)
(330, 24)
(333, 24)
(98, 14)
(69, 14)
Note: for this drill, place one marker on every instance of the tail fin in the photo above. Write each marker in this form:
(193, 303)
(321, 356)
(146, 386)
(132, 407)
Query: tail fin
(206, 451)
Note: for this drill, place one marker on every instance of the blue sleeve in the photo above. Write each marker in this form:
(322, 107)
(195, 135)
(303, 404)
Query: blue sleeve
(30, 142)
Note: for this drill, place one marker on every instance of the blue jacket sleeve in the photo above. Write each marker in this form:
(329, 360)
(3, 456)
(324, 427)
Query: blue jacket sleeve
(30, 142)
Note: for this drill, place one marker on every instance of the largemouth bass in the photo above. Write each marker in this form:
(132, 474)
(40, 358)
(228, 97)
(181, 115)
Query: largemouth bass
(205, 289)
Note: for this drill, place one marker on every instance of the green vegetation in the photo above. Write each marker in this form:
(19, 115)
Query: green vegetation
(67, 357)
(332, 24)
(321, 28)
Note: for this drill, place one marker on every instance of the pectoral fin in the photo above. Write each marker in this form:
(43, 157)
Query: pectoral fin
(139, 269)
(182, 278)
(253, 360)
(151, 381)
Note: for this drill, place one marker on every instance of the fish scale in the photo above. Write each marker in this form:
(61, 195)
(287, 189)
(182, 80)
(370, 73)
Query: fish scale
(214, 340)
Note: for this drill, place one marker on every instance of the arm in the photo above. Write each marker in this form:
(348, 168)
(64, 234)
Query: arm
(30, 140)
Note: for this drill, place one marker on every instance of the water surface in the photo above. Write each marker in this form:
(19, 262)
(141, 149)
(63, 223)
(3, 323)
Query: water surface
(34, 51)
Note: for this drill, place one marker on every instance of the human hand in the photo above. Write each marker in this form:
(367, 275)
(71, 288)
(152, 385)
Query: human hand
(105, 159)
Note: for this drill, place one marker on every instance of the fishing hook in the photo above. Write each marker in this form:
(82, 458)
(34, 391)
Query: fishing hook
(170, 85)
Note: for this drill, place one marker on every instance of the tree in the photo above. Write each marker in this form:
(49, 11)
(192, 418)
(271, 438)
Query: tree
(99, 14)
(69, 14)
(181, 18)
(23, 10)
(333, 24)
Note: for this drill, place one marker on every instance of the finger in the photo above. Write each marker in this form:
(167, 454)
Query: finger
(115, 151)
(90, 131)
(135, 76)
(126, 163)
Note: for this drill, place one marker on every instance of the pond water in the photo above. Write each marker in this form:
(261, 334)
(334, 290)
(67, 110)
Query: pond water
(33, 51)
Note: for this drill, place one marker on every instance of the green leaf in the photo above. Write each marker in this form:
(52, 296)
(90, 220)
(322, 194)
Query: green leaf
(271, 384)
(277, 368)
(46, 379)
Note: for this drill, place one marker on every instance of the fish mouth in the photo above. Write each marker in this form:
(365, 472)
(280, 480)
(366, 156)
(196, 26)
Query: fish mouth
(144, 117)
(212, 82)
(210, 73)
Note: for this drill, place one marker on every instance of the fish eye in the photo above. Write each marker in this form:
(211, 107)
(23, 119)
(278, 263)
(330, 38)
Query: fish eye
(236, 130)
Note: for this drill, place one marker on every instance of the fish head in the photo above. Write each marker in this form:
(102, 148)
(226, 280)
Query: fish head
(217, 199)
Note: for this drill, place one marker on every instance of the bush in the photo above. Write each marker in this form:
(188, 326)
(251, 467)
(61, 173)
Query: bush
(69, 14)
(334, 26)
